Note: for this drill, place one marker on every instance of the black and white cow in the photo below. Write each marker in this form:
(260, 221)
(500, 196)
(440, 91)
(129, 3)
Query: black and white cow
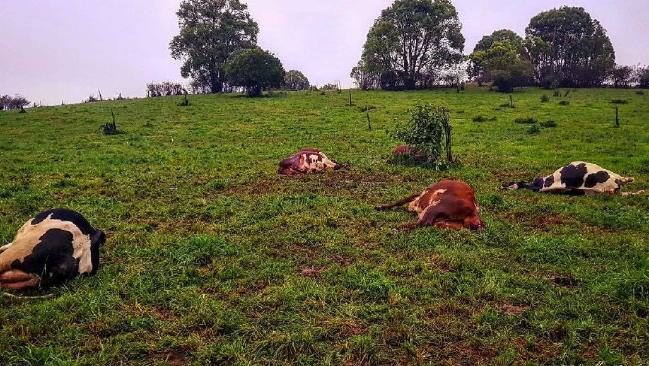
(576, 178)
(53, 247)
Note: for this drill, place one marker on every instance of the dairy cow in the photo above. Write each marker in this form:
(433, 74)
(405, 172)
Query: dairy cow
(448, 204)
(576, 178)
(307, 161)
(53, 247)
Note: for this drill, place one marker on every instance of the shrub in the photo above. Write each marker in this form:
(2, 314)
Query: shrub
(534, 129)
(564, 102)
(164, 89)
(545, 98)
(549, 124)
(619, 101)
(526, 121)
(427, 130)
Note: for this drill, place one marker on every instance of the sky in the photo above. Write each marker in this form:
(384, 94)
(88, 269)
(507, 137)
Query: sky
(55, 51)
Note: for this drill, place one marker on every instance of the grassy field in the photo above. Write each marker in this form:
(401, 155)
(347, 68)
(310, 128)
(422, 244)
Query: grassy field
(213, 259)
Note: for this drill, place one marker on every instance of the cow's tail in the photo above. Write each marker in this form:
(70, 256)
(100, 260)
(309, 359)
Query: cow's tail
(397, 204)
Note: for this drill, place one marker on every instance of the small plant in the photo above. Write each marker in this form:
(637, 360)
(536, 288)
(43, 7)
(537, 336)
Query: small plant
(482, 118)
(110, 128)
(429, 132)
(545, 98)
(549, 124)
(619, 101)
(185, 101)
(557, 93)
(534, 129)
(564, 102)
(640, 92)
(526, 121)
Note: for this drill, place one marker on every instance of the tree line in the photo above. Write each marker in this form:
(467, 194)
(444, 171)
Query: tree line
(419, 44)
(10, 103)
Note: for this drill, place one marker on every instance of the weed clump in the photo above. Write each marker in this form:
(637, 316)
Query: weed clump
(564, 102)
(549, 124)
(110, 128)
(619, 101)
(545, 98)
(482, 118)
(640, 92)
(534, 129)
(526, 121)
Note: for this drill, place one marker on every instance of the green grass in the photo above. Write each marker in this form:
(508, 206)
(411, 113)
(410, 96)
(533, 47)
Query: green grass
(213, 259)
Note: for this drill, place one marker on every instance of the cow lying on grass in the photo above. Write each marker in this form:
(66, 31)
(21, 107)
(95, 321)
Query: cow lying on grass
(55, 246)
(577, 178)
(448, 204)
(307, 161)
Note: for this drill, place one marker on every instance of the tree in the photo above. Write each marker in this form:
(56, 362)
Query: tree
(568, 48)
(295, 80)
(476, 69)
(503, 64)
(210, 32)
(413, 38)
(363, 77)
(622, 76)
(642, 75)
(16, 102)
(255, 70)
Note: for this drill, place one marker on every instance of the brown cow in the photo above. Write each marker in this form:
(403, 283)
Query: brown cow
(448, 204)
(407, 152)
(307, 161)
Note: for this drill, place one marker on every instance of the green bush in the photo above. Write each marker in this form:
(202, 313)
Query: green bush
(545, 99)
(428, 131)
(526, 121)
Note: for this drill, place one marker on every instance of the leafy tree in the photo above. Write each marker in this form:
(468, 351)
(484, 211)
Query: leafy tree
(476, 69)
(642, 75)
(211, 31)
(622, 76)
(503, 64)
(16, 102)
(569, 48)
(295, 80)
(363, 77)
(255, 70)
(413, 38)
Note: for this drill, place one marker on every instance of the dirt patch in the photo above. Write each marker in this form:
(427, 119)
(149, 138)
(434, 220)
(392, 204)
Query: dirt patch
(310, 272)
(439, 262)
(539, 222)
(339, 259)
(512, 310)
(564, 281)
(172, 357)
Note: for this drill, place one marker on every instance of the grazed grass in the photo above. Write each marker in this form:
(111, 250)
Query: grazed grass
(213, 259)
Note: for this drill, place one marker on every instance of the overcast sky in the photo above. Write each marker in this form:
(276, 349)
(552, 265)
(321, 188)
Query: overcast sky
(65, 50)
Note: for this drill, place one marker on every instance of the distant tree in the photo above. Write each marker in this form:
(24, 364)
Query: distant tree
(254, 70)
(210, 32)
(363, 77)
(330, 86)
(504, 65)
(642, 75)
(16, 102)
(622, 76)
(295, 80)
(476, 69)
(568, 48)
(412, 38)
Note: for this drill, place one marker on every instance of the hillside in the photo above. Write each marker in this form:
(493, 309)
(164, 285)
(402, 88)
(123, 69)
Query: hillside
(212, 258)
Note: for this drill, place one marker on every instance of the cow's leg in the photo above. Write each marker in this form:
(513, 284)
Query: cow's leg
(5, 247)
(449, 225)
(18, 280)
(430, 216)
(397, 204)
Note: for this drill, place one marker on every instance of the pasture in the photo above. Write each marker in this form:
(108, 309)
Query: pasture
(212, 258)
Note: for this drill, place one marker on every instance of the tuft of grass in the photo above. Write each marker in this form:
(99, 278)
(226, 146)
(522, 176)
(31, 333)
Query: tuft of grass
(619, 101)
(549, 124)
(545, 98)
(564, 102)
(534, 129)
(526, 120)
(639, 92)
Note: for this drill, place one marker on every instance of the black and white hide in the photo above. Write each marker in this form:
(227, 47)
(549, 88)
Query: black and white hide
(53, 247)
(576, 178)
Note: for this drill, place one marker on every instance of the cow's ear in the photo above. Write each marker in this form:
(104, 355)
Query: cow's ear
(99, 238)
